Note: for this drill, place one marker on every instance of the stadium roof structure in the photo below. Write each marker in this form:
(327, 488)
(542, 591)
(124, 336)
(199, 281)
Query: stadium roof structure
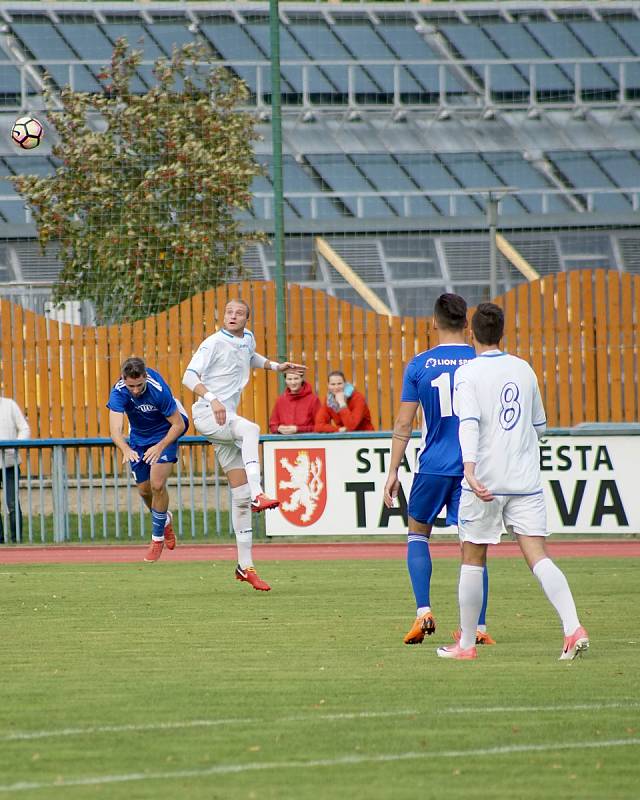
(396, 118)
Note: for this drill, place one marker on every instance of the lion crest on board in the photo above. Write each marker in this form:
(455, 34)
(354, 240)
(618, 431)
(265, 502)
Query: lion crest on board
(301, 484)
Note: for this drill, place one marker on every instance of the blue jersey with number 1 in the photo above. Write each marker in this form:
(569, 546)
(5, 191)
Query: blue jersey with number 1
(428, 380)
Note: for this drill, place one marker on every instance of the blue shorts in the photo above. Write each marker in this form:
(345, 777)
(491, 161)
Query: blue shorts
(430, 493)
(142, 470)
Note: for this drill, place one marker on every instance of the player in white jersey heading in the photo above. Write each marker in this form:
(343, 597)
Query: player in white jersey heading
(217, 374)
(497, 398)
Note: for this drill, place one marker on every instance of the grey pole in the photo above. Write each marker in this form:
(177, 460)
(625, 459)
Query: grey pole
(278, 201)
(59, 494)
(492, 221)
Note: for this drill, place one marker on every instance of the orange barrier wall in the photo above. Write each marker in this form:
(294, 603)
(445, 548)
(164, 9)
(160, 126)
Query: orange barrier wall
(580, 332)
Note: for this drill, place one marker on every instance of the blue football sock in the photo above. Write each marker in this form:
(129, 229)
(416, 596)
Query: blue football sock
(419, 565)
(158, 520)
(482, 620)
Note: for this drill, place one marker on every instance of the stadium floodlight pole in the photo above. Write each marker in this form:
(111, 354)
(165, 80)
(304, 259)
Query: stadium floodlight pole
(494, 195)
(278, 190)
(492, 222)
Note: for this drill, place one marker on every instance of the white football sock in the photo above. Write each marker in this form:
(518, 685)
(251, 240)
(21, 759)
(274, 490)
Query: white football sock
(248, 434)
(253, 476)
(556, 587)
(422, 610)
(241, 519)
(470, 594)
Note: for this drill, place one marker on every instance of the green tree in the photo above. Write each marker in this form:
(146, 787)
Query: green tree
(145, 198)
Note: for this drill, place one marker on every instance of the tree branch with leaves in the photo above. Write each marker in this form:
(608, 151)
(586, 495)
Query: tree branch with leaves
(144, 203)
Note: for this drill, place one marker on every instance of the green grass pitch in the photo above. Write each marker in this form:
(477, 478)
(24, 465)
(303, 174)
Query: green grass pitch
(175, 681)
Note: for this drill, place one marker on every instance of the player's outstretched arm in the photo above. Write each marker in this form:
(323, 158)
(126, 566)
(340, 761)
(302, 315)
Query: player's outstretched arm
(259, 361)
(400, 439)
(116, 424)
(285, 365)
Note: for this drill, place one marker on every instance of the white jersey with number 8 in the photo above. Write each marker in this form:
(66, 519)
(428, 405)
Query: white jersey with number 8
(497, 398)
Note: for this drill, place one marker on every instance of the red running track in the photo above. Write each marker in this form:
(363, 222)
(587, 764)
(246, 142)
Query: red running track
(277, 551)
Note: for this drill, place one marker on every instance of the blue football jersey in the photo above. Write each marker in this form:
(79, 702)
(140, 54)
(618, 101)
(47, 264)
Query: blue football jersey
(148, 413)
(428, 380)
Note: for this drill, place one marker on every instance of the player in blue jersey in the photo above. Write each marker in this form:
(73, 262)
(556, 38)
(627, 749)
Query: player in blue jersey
(428, 382)
(156, 421)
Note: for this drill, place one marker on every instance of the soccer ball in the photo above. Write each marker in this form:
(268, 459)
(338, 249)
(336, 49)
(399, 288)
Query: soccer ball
(27, 132)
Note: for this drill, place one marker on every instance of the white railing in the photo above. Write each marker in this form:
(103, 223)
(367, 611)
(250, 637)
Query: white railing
(263, 201)
(448, 200)
(347, 79)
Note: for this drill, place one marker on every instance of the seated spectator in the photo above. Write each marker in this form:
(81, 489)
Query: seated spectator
(296, 408)
(345, 409)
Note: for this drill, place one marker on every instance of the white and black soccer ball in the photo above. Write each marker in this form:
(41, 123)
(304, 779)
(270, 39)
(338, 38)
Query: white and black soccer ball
(27, 132)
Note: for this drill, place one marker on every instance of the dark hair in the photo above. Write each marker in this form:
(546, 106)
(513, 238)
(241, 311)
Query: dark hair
(450, 311)
(337, 372)
(487, 323)
(133, 367)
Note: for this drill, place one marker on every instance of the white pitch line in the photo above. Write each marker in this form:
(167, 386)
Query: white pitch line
(196, 723)
(230, 769)
(18, 736)
(528, 709)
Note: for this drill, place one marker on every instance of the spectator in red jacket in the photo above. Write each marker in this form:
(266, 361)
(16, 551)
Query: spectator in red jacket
(345, 409)
(296, 408)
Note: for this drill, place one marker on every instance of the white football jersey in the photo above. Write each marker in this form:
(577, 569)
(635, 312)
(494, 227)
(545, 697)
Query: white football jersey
(223, 362)
(497, 395)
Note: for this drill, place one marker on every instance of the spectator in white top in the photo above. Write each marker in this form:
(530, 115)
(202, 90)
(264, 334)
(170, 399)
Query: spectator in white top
(217, 374)
(497, 398)
(13, 425)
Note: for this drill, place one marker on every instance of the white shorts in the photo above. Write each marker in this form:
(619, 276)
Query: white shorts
(228, 450)
(484, 523)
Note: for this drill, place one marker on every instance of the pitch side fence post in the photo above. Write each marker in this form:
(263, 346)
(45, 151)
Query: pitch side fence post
(59, 494)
